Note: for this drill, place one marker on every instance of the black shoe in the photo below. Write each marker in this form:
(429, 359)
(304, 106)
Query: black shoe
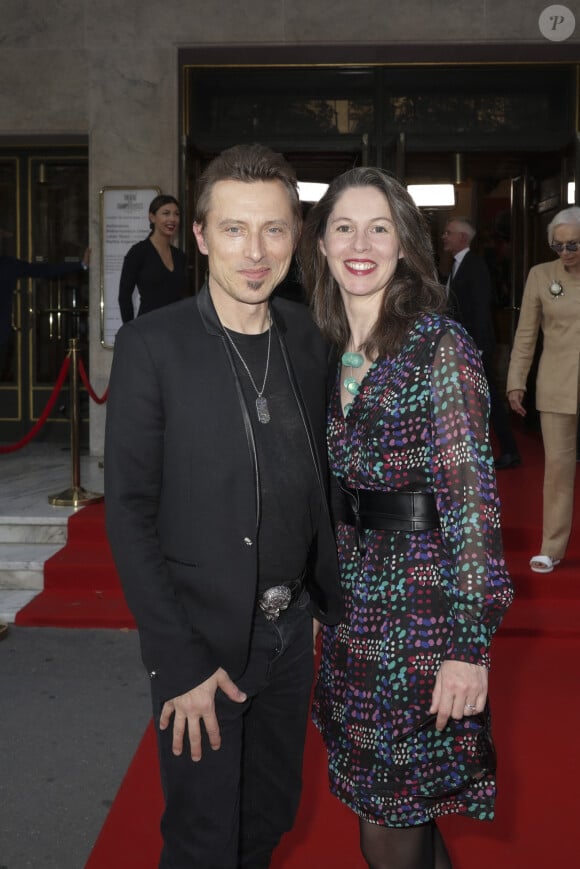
(507, 460)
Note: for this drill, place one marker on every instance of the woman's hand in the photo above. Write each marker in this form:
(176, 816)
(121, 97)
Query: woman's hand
(460, 689)
(316, 626)
(515, 398)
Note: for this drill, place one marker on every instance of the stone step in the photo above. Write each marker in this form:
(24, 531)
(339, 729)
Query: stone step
(22, 564)
(12, 601)
(18, 529)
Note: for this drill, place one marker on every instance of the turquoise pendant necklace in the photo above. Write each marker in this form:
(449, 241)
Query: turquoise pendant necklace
(351, 384)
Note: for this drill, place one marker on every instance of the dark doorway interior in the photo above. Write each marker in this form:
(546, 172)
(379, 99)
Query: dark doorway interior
(503, 134)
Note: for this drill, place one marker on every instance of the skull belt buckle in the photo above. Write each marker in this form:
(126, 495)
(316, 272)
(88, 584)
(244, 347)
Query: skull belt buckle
(274, 600)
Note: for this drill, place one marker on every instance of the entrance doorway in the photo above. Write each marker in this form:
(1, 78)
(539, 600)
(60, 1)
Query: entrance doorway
(44, 221)
(493, 130)
(504, 135)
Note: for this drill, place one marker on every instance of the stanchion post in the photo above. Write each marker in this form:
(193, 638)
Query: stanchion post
(75, 496)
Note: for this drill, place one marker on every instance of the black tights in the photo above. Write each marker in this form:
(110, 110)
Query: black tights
(419, 847)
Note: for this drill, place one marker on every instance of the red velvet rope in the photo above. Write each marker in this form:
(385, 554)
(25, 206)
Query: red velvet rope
(11, 448)
(88, 387)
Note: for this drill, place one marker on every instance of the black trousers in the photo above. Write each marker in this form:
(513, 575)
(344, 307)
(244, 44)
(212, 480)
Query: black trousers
(498, 413)
(230, 809)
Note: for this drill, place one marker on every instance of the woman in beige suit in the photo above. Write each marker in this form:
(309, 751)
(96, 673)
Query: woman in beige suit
(551, 301)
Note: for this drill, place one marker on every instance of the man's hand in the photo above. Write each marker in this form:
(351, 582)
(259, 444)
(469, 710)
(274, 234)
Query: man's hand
(196, 706)
(460, 689)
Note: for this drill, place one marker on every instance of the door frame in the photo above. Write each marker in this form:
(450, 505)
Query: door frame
(22, 398)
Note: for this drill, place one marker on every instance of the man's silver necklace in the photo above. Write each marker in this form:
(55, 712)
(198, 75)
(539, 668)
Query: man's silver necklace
(262, 408)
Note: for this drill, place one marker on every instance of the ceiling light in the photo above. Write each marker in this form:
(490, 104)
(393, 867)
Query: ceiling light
(311, 191)
(432, 195)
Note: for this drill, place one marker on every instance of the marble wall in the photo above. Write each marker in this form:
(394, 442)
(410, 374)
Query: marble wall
(109, 70)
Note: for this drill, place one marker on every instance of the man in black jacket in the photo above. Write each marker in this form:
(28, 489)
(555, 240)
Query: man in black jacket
(218, 519)
(470, 298)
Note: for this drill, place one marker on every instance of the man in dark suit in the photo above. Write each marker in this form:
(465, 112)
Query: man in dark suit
(217, 516)
(470, 298)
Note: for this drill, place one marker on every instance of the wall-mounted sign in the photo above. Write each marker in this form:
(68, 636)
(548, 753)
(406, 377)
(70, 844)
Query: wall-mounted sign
(124, 222)
(557, 23)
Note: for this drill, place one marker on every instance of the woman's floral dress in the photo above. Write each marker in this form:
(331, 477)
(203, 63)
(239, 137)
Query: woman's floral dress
(418, 424)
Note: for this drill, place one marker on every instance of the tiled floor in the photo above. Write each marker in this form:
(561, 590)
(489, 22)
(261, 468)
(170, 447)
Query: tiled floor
(29, 476)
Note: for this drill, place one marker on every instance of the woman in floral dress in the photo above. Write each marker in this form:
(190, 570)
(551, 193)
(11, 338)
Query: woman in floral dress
(401, 697)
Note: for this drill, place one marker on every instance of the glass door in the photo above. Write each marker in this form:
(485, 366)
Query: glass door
(44, 289)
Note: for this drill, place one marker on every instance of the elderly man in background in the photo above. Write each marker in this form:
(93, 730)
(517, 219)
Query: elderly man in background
(470, 298)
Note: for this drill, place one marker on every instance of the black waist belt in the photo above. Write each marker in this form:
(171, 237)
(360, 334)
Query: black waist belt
(387, 511)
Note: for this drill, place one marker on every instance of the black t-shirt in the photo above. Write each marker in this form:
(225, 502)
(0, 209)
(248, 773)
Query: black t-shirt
(291, 496)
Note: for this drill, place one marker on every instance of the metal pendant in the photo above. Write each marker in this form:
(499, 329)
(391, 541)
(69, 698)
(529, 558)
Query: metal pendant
(262, 409)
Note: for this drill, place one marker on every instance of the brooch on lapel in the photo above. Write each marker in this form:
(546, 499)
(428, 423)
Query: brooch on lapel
(556, 289)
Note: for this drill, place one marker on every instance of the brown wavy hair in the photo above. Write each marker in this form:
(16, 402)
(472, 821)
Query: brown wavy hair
(413, 288)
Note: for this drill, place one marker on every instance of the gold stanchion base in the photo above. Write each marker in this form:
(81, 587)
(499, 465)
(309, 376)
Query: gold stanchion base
(76, 496)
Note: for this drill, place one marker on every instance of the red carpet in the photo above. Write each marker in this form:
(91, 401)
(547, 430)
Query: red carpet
(81, 586)
(536, 705)
(82, 589)
(130, 837)
(534, 695)
(548, 604)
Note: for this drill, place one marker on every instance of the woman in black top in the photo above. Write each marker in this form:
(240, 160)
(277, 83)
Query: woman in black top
(154, 265)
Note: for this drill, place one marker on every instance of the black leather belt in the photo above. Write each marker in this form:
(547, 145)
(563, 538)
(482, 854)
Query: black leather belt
(280, 597)
(387, 511)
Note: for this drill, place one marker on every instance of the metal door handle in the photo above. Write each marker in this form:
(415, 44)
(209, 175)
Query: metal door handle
(15, 315)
